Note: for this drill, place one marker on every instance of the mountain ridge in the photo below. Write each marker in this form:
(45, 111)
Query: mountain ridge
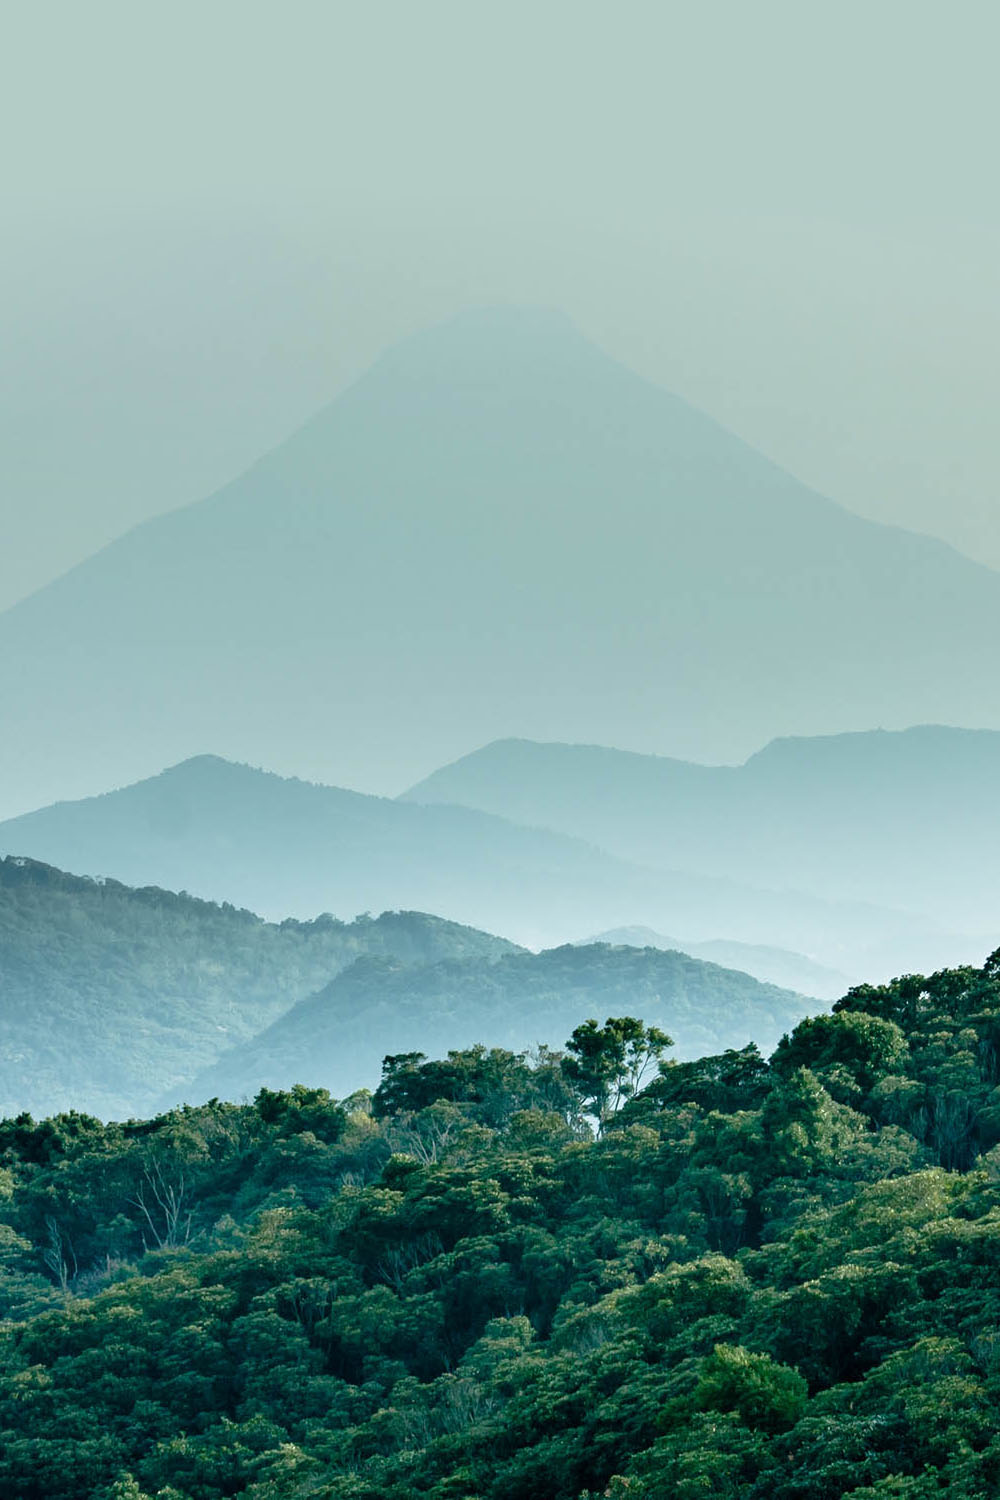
(911, 815)
(109, 991)
(353, 591)
(778, 966)
(339, 1036)
(292, 847)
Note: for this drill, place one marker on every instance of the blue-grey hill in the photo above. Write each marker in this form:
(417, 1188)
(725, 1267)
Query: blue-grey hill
(110, 995)
(285, 847)
(497, 531)
(907, 818)
(338, 1037)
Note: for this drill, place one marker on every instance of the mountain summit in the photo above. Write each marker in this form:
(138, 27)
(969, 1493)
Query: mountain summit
(497, 531)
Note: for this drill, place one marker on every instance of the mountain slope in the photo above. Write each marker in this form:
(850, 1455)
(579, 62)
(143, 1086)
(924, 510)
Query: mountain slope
(498, 530)
(285, 847)
(110, 995)
(790, 971)
(910, 818)
(338, 1037)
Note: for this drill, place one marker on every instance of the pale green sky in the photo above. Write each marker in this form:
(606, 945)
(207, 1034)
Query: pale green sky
(215, 214)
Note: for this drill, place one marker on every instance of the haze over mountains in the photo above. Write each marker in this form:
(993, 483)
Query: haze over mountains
(497, 531)
(339, 1036)
(109, 996)
(290, 848)
(497, 535)
(909, 819)
(113, 998)
(779, 966)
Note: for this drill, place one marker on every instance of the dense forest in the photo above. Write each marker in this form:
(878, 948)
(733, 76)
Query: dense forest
(599, 1272)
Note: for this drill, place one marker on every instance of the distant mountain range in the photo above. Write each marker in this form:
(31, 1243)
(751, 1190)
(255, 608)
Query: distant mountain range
(338, 1037)
(498, 530)
(909, 819)
(110, 996)
(793, 971)
(279, 847)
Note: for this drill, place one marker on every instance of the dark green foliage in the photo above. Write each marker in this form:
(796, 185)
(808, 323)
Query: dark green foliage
(944, 1089)
(756, 1282)
(609, 1063)
(733, 1080)
(492, 1084)
(851, 1051)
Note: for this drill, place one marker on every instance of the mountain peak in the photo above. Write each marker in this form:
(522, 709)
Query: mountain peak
(492, 336)
(498, 531)
(496, 365)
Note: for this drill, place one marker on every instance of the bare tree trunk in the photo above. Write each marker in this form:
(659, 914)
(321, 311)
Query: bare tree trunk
(55, 1257)
(163, 1205)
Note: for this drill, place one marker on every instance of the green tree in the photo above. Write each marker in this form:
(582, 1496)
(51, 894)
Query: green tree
(850, 1052)
(763, 1393)
(608, 1064)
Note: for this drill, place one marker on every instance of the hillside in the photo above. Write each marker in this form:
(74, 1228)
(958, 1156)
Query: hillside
(790, 971)
(338, 1038)
(763, 1280)
(109, 996)
(498, 530)
(909, 819)
(285, 847)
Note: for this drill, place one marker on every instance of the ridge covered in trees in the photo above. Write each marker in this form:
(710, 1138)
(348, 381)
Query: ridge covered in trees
(122, 1001)
(596, 1272)
(112, 995)
(339, 1036)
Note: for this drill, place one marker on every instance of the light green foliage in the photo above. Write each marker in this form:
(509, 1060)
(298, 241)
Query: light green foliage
(763, 1393)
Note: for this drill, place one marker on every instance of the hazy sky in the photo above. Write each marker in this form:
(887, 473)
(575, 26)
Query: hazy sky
(215, 214)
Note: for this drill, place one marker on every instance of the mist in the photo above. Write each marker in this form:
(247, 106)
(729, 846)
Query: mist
(215, 219)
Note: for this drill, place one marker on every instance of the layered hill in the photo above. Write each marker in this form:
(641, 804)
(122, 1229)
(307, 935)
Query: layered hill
(109, 996)
(280, 847)
(338, 1037)
(780, 966)
(498, 530)
(909, 818)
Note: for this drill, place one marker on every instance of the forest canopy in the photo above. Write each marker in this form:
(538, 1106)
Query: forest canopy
(514, 1277)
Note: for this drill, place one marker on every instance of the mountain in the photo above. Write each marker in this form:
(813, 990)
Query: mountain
(285, 847)
(498, 530)
(791, 971)
(110, 995)
(908, 818)
(338, 1037)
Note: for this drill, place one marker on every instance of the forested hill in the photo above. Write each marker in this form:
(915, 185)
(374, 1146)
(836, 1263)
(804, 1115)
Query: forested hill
(760, 1281)
(780, 966)
(111, 995)
(338, 1037)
